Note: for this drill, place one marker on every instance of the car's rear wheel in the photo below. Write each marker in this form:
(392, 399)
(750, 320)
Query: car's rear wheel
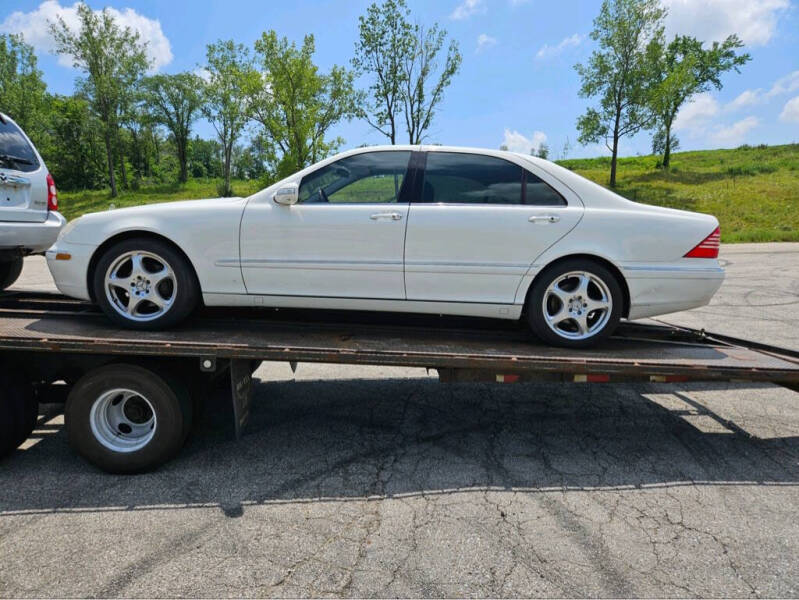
(143, 283)
(575, 304)
(9, 271)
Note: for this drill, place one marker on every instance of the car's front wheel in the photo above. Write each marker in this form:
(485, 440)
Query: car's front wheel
(575, 304)
(144, 283)
(9, 272)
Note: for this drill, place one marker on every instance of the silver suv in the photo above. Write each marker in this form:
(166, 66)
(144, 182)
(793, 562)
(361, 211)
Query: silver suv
(29, 217)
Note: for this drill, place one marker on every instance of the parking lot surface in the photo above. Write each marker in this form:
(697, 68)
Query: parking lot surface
(369, 481)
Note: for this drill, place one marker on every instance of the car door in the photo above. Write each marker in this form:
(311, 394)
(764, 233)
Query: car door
(344, 237)
(23, 185)
(477, 226)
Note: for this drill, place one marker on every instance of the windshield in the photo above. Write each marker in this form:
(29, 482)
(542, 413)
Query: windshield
(15, 151)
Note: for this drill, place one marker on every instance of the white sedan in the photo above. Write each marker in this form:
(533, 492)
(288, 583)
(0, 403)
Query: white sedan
(426, 229)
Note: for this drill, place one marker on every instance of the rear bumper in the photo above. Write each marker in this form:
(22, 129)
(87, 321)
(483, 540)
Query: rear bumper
(32, 238)
(662, 290)
(70, 275)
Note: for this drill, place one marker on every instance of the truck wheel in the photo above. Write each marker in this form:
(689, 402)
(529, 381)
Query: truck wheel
(125, 418)
(9, 272)
(575, 304)
(142, 283)
(18, 412)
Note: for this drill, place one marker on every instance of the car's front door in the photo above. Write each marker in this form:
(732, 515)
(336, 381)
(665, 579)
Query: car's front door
(344, 238)
(478, 225)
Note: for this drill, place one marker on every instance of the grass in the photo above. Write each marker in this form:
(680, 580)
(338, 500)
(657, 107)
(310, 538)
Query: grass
(753, 191)
(75, 204)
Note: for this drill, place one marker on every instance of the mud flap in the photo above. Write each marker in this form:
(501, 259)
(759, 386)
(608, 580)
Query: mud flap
(241, 392)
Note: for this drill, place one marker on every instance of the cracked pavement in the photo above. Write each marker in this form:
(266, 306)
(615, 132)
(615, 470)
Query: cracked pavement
(370, 481)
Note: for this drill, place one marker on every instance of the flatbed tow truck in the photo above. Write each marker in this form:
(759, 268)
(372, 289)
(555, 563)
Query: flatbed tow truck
(52, 347)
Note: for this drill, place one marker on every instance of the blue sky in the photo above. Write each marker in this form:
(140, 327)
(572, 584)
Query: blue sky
(517, 84)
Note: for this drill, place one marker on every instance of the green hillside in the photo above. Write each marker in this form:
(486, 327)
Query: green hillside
(754, 191)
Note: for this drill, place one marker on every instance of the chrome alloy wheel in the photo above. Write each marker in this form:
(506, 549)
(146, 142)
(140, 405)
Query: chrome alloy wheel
(577, 305)
(123, 420)
(141, 286)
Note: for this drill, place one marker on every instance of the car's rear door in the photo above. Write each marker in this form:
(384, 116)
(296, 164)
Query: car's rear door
(477, 226)
(344, 238)
(23, 177)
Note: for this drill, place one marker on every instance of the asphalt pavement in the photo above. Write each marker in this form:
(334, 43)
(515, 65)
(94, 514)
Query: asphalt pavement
(370, 481)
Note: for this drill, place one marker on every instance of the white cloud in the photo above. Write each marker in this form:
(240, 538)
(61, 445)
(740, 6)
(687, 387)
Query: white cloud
(736, 133)
(517, 142)
(34, 26)
(790, 114)
(695, 115)
(485, 41)
(466, 9)
(755, 21)
(785, 85)
(547, 51)
(746, 98)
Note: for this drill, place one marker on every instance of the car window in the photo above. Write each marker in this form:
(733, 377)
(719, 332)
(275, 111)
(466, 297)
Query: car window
(15, 151)
(372, 177)
(539, 193)
(458, 178)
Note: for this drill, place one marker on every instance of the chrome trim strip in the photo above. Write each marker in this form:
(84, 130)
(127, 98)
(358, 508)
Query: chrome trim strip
(677, 269)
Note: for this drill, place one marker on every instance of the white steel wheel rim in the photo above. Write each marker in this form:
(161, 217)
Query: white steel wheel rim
(577, 305)
(123, 420)
(141, 286)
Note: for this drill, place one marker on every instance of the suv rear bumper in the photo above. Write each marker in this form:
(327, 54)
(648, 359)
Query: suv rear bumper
(31, 238)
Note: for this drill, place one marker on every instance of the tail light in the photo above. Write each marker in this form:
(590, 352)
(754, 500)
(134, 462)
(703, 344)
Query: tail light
(52, 194)
(708, 247)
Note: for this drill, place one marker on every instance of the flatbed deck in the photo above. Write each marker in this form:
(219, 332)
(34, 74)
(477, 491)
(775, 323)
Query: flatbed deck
(460, 349)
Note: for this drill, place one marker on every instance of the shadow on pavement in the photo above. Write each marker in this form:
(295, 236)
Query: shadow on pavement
(354, 439)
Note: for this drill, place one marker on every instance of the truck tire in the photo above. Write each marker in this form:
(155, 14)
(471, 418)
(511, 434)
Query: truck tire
(125, 418)
(9, 272)
(18, 412)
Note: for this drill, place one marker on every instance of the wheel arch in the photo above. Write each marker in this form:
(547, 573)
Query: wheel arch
(127, 235)
(592, 257)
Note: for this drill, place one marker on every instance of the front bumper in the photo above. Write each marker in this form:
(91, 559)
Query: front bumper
(71, 275)
(32, 238)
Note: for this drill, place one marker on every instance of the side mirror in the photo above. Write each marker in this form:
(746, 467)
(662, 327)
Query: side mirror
(288, 194)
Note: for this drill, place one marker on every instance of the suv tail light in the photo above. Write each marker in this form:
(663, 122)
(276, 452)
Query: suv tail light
(708, 247)
(52, 194)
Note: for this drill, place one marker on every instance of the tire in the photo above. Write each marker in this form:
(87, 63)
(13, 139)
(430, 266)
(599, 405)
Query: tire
(177, 292)
(9, 272)
(126, 419)
(592, 312)
(18, 412)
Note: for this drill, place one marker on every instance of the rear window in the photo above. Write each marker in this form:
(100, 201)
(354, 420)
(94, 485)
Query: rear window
(15, 151)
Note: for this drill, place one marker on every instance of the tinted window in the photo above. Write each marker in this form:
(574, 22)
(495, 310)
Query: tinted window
(363, 178)
(539, 193)
(456, 178)
(15, 151)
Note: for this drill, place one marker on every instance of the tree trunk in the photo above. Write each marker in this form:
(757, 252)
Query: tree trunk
(615, 155)
(228, 153)
(112, 181)
(667, 150)
(184, 172)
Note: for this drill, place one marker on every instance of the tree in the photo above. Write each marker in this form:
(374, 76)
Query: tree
(75, 155)
(297, 105)
(174, 101)
(22, 90)
(113, 60)
(682, 69)
(386, 40)
(229, 85)
(543, 151)
(618, 73)
(424, 82)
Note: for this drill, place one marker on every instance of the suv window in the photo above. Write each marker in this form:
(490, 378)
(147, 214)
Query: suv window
(457, 178)
(372, 177)
(539, 193)
(15, 151)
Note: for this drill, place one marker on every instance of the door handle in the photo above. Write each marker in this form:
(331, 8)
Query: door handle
(394, 216)
(544, 219)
